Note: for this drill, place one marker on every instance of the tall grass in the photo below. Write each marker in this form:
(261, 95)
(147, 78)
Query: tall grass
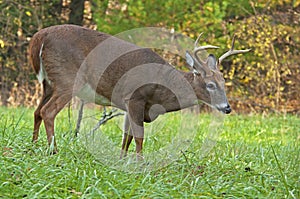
(255, 157)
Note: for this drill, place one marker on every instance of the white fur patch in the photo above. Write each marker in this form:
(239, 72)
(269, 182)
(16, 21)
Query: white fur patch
(42, 73)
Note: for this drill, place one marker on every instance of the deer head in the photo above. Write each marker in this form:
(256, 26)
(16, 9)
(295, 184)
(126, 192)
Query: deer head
(209, 83)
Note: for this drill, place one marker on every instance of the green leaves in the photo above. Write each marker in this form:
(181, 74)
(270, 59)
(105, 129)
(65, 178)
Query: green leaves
(268, 76)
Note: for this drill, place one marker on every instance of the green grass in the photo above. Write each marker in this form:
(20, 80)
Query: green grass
(255, 157)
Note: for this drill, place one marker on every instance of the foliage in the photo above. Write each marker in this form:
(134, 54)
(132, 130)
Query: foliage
(272, 72)
(19, 21)
(265, 79)
(255, 157)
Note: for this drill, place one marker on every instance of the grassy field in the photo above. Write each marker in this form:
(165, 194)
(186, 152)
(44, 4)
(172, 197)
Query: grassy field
(255, 157)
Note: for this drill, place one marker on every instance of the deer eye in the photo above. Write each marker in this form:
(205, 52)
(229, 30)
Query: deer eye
(211, 86)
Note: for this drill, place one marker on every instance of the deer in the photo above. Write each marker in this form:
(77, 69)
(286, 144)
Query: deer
(71, 60)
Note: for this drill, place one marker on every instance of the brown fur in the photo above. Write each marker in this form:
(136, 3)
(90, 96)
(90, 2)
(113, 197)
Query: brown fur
(71, 60)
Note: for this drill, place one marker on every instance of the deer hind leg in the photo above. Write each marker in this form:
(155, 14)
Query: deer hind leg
(49, 111)
(47, 93)
(127, 137)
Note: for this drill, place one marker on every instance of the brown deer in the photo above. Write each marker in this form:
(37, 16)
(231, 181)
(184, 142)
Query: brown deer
(70, 60)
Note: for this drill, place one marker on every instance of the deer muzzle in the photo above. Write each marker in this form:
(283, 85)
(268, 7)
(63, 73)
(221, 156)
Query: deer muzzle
(225, 108)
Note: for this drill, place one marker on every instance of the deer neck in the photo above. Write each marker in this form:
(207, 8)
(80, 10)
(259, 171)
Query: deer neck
(187, 95)
(191, 96)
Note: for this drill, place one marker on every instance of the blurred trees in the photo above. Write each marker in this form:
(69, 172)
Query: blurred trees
(76, 12)
(19, 20)
(268, 78)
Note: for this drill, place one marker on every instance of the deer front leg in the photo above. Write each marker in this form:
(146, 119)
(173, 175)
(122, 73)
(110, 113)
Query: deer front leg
(135, 110)
(139, 147)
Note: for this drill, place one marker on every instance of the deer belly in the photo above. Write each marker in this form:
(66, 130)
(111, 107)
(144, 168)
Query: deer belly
(153, 111)
(88, 94)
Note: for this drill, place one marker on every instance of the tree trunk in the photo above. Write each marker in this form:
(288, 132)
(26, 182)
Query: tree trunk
(76, 14)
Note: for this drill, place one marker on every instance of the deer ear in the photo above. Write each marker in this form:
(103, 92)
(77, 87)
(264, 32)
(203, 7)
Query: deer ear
(196, 67)
(211, 62)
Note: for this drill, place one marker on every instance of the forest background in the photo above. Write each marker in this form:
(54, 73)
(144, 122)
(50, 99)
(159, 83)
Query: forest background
(265, 80)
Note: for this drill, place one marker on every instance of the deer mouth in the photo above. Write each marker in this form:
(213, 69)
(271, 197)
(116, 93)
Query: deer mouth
(225, 109)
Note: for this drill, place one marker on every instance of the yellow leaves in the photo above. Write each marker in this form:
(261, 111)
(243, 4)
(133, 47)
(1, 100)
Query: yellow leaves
(258, 52)
(296, 3)
(17, 21)
(28, 13)
(245, 80)
(209, 8)
(2, 43)
(231, 73)
(270, 69)
(228, 83)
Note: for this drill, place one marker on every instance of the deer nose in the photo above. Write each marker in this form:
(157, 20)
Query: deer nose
(227, 109)
(224, 108)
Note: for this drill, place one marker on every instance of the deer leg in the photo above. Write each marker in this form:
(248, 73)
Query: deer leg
(47, 93)
(37, 122)
(139, 147)
(127, 137)
(48, 113)
(125, 144)
(135, 110)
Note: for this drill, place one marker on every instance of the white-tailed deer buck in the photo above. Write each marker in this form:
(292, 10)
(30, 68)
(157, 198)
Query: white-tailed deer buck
(71, 60)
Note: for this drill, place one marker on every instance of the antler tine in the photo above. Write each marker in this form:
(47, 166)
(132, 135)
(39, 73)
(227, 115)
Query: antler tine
(231, 51)
(200, 48)
(197, 40)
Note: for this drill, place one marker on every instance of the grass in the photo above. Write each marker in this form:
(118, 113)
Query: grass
(255, 157)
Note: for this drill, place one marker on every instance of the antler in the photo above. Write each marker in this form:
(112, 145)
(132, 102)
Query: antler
(200, 48)
(232, 51)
